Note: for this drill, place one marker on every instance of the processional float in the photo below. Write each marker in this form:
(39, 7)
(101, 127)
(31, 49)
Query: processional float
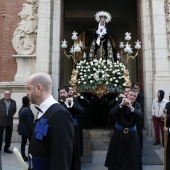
(100, 76)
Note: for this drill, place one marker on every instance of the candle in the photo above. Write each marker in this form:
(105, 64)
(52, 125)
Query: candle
(21, 161)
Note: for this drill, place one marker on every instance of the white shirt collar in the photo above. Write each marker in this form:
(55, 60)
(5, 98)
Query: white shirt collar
(46, 104)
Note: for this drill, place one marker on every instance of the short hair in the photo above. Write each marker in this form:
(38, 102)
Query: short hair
(41, 78)
(136, 83)
(25, 100)
(133, 90)
(66, 88)
(127, 87)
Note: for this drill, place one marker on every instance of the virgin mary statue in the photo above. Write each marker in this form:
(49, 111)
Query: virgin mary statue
(101, 46)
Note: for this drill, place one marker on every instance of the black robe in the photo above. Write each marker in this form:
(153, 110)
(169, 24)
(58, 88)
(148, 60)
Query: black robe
(105, 47)
(54, 150)
(168, 138)
(76, 111)
(124, 149)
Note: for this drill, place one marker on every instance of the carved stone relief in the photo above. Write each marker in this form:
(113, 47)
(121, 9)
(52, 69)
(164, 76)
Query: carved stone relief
(24, 37)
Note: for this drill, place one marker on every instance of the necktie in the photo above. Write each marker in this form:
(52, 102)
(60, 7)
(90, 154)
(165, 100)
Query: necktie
(39, 110)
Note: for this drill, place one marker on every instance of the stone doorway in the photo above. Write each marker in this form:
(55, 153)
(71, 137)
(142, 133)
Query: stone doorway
(79, 17)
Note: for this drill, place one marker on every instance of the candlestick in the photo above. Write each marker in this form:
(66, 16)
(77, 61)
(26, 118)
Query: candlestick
(21, 161)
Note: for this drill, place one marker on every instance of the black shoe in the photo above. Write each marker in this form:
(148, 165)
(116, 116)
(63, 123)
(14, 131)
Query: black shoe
(25, 158)
(157, 143)
(7, 151)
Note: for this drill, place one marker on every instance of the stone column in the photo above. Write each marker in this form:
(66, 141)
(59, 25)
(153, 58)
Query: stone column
(48, 40)
(55, 54)
(155, 56)
(147, 61)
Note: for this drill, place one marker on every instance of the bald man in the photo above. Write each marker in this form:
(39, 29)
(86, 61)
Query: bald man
(7, 110)
(52, 138)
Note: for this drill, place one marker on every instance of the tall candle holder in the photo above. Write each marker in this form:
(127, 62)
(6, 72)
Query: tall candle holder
(76, 49)
(126, 52)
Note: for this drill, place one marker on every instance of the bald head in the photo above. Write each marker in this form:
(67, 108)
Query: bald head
(41, 78)
(39, 87)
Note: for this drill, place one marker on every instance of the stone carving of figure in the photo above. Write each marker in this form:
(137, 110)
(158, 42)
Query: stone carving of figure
(24, 37)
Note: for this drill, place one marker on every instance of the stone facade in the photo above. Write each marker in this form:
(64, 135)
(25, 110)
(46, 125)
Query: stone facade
(16, 66)
(155, 54)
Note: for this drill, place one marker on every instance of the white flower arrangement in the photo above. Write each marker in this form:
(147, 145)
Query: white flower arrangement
(92, 74)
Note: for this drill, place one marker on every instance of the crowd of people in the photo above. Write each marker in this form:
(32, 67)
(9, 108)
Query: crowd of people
(56, 136)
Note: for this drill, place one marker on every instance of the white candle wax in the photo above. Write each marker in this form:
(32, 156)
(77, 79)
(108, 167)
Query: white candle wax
(21, 161)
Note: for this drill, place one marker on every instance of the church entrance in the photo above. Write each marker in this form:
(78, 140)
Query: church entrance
(79, 17)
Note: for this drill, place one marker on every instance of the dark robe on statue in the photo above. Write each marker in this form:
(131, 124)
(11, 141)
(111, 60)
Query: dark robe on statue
(104, 50)
(124, 149)
(53, 148)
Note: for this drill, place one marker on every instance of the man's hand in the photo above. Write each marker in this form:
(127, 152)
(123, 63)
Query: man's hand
(122, 95)
(69, 100)
(165, 129)
(127, 102)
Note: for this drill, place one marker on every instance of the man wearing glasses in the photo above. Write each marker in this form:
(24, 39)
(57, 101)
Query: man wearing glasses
(8, 109)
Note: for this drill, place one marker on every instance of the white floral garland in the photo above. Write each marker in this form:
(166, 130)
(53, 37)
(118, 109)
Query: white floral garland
(97, 72)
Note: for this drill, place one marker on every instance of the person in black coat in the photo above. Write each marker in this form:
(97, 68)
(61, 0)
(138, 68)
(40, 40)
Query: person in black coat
(112, 103)
(51, 145)
(140, 100)
(26, 121)
(124, 149)
(167, 129)
(76, 110)
(6, 120)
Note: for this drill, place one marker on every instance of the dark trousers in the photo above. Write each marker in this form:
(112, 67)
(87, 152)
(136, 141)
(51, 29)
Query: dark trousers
(8, 135)
(158, 124)
(23, 144)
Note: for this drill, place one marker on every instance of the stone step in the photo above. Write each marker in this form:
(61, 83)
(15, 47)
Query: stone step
(100, 139)
(87, 153)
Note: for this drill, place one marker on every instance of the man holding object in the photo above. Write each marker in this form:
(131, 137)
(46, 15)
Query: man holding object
(52, 138)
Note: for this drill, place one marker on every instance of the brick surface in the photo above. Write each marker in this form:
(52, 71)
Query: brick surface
(9, 10)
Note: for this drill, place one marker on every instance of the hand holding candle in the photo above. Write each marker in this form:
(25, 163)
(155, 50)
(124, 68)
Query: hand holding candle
(21, 161)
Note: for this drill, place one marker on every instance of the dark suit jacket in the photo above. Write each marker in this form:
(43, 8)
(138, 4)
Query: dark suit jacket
(140, 99)
(26, 121)
(7, 120)
(54, 151)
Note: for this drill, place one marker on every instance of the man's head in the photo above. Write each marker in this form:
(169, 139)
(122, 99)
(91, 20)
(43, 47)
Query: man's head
(25, 101)
(63, 92)
(39, 87)
(71, 91)
(126, 90)
(7, 95)
(160, 95)
(136, 86)
(132, 95)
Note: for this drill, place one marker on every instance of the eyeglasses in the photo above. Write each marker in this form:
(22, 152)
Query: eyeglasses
(7, 94)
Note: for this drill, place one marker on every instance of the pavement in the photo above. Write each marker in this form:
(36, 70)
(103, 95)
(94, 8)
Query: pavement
(10, 162)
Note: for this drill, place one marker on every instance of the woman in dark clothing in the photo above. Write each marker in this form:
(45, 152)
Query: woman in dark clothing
(26, 120)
